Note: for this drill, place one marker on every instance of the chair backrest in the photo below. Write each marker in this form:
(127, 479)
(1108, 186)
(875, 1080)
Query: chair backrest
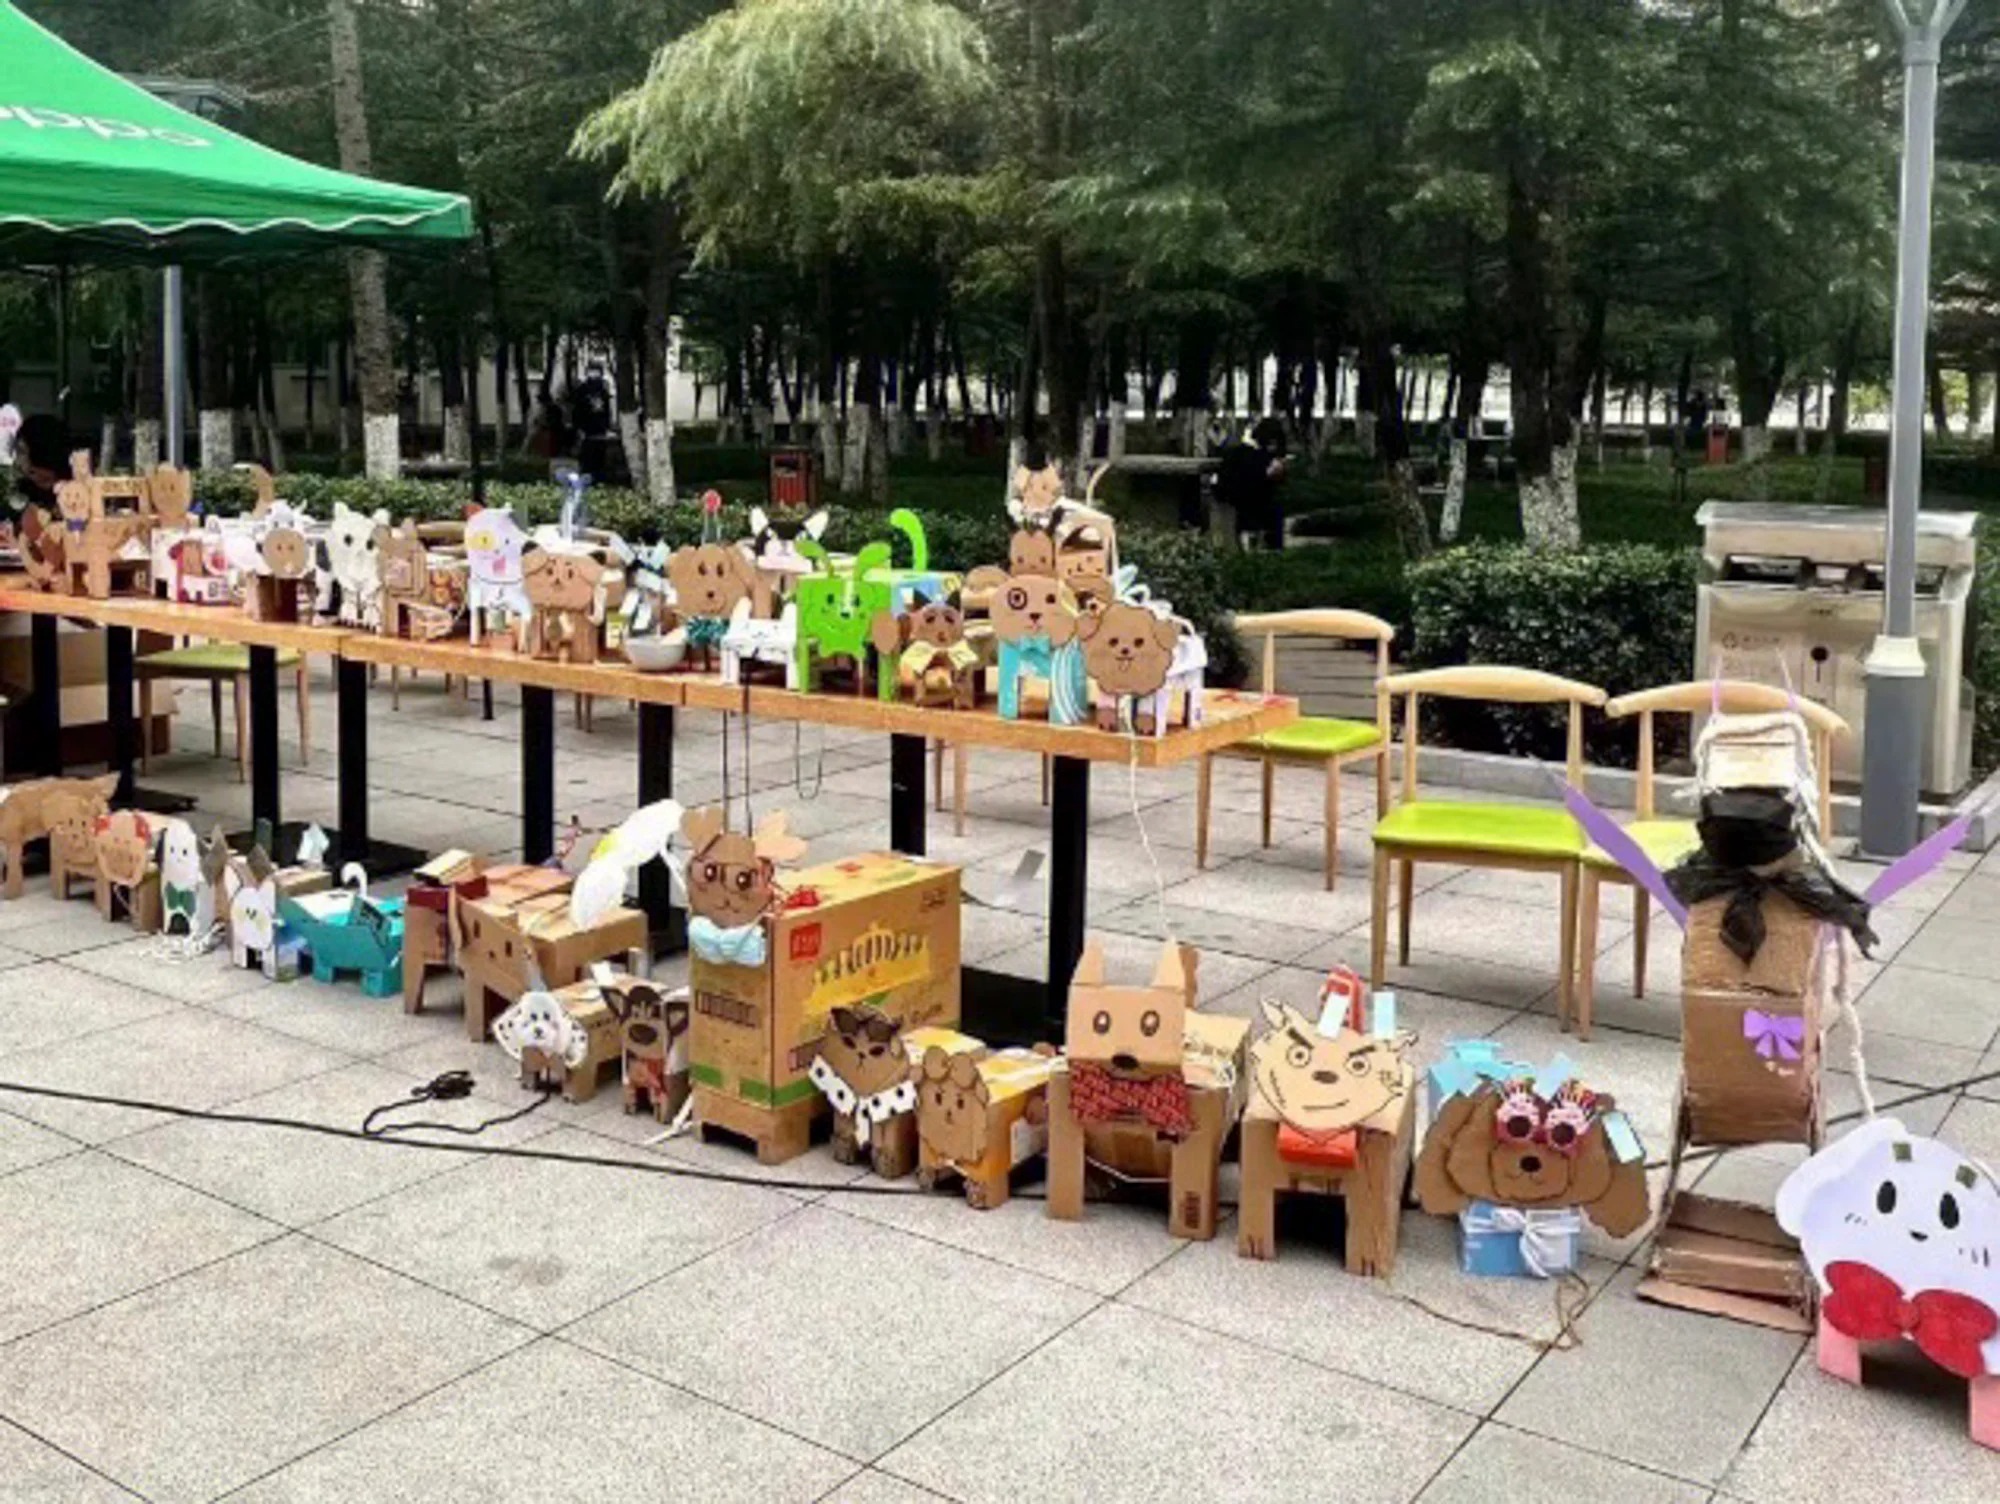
(1734, 697)
(1478, 681)
(1347, 626)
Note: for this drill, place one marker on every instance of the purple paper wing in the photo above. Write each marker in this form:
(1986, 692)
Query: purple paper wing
(1623, 850)
(1923, 858)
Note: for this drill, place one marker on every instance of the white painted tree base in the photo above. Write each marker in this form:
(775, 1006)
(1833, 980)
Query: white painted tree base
(382, 446)
(660, 461)
(217, 429)
(457, 437)
(1548, 503)
(147, 445)
(638, 454)
(1453, 515)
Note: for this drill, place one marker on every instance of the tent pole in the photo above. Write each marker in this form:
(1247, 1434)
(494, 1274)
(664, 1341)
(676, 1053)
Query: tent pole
(171, 353)
(62, 344)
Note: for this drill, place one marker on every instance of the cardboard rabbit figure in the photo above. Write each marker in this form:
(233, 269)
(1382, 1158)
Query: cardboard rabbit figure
(190, 873)
(863, 1070)
(732, 885)
(1899, 1232)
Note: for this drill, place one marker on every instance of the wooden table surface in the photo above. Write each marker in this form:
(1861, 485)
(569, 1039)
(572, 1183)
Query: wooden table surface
(216, 623)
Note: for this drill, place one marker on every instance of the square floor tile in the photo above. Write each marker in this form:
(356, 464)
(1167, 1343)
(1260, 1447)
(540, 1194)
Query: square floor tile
(1439, 973)
(139, 963)
(23, 1143)
(64, 929)
(339, 1016)
(88, 1229)
(863, 1333)
(871, 1487)
(1964, 947)
(1502, 1463)
(546, 1243)
(51, 1003)
(1131, 1406)
(185, 1057)
(37, 1473)
(1937, 1007)
(207, 1382)
(511, 1431)
(1211, 931)
(1404, 1332)
(297, 1178)
(1640, 1363)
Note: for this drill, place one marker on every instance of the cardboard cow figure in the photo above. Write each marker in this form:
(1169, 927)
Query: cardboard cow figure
(350, 581)
(1899, 1232)
(980, 1115)
(1150, 1089)
(496, 593)
(190, 875)
(128, 881)
(654, 1044)
(1333, 1112)
(863, 1070)
(28, 812)
(708, 580)
(1518, 1160)
(732, 884)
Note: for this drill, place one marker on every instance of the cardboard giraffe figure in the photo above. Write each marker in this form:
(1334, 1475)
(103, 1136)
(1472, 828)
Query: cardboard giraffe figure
(863, 1071)
(1332, 1112)
(1150, 1089)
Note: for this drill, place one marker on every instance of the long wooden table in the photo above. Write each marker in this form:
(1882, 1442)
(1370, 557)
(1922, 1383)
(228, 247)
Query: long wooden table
(1230, 717)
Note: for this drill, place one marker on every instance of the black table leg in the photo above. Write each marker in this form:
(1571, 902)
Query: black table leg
(118, 690)
(45, 706)
(485, 699)
(656, 782)
(1069, 861)
(538, 773)
(264, 741)
(351, 685)
(907, 796)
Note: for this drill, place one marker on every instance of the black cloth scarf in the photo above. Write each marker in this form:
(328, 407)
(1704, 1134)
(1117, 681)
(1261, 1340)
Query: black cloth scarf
(1743, 832)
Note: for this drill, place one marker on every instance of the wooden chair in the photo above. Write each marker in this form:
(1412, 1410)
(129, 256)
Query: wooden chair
(1322, 742)
(1667, 841)
(1517, 837)
(217, 664)
(960, 765)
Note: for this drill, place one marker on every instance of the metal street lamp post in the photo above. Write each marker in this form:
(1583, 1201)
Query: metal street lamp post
(1892, 758)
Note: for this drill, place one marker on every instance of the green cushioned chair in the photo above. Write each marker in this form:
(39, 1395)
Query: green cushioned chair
(1320, 742)
(1665, 842)
(217, 664)
(1523, 838)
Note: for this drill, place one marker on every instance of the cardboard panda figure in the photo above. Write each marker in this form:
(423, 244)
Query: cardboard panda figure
(1900, 1234)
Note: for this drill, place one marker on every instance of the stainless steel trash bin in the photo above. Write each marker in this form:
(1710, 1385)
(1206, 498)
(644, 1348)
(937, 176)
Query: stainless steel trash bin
(1803, 584)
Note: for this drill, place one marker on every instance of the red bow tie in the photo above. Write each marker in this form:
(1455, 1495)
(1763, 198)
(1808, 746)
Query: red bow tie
(1868, 1306)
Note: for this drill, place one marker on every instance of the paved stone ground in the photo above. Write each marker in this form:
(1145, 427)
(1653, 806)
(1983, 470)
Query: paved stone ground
(190, 1311)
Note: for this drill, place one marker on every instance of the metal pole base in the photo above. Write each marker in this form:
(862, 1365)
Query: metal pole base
(1892, 757)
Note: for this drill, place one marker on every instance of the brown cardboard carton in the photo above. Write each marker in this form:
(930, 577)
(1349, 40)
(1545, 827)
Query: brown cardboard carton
(1750, 1066)
(880, 929)
(507, 943)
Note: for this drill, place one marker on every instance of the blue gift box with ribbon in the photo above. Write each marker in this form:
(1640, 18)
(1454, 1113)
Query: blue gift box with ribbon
(1514, 1241)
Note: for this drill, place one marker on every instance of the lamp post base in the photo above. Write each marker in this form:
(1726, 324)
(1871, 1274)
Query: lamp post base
(1892, 759)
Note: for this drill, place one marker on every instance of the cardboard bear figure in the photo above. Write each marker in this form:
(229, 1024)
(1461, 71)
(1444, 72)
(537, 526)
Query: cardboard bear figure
(863, 1071)
(26, 815)
(495, 594)
(732, 884)
(190, 876)
(1504, 1144)
(72, 807)
(1129, 1097)
(1332, 1112)
(1898, 1231)
(1035, 623)
(931, 657)
(708, 580)
(654, 1041)
(128, 880)
(980, 1115)
(569, 594)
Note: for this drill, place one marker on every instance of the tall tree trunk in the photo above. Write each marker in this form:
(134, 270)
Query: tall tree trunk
(662, 356)
(1392, 437)
(1471, 397)
(267, 394)
(216, 420)
(381, 428)
(1940, 408)
(451, 390)
(1544, 434)
(148, 441)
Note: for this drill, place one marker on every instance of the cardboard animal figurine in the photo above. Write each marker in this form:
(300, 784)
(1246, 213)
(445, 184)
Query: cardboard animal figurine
(1035, 622)
(539, 1036)
(1332, 1111)
(654, 1040)
(1032, 548)
(495, 590)
(1899, 1231)
(128, 880)
(926, 653)
(44, 554)
(190, 874)
(26, 815)
(781, 555)
(518, 938)
(404, 563)
(349, 931)
(1129, 651)
(427, 929)
(169, 496)
(256, 939)
(105, 547)
(708, 580)
(284, 567)
(568, 593)
(1037, 493)
(980, 1115)
(72, 808)
(863, 1071)
(1148, 1088)
(1518, 1162)
(350, 577)
(732, 884)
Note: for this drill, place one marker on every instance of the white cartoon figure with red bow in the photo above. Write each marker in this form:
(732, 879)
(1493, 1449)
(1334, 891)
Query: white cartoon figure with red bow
(1902, 1235)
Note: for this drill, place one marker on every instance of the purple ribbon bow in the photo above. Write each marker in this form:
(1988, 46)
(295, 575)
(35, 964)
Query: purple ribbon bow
(1776, 1036)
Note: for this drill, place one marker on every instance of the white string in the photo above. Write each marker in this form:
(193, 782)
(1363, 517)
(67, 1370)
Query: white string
(1843, 1002)
(1145, 838)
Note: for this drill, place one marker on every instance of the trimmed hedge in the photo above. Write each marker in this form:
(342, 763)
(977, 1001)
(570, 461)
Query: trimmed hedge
(1620, 616)
(1180, 567)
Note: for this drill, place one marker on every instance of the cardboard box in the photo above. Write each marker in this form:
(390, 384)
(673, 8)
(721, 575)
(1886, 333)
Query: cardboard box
(1493, 1243)
(1750, 1066)
(980, 1114)
(505, 939)
(1788, 961)
(1726, 1258)
(880, 928)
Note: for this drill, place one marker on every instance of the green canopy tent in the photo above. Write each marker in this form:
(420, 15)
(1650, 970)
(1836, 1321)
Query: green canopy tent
(95, 169)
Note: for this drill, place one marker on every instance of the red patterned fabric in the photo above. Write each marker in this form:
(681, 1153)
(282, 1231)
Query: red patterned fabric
(1097, 1096)
(646, 1075)
(1867, 1305)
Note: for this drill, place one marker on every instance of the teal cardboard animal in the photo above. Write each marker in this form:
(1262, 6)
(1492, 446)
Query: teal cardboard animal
(838, 604)
(347, 930)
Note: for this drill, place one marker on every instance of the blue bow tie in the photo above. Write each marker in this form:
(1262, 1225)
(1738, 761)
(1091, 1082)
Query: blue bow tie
(742, 946)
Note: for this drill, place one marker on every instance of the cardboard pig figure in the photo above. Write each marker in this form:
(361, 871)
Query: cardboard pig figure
(863, 1070)
(732, 885)
(1899, 1232)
